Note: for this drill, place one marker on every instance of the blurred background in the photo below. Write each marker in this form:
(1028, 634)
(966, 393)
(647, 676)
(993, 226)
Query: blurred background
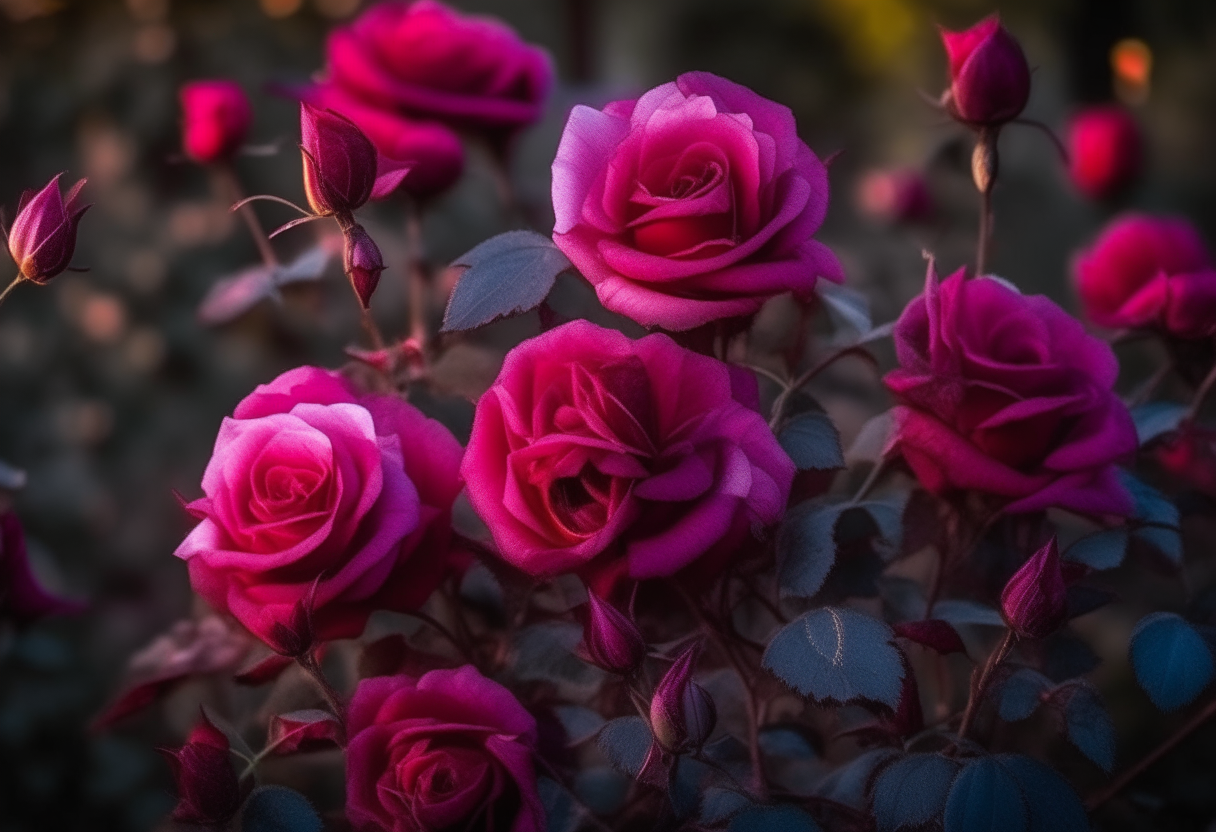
(111, 390)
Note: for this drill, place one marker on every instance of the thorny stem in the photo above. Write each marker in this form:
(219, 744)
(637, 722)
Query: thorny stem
(333, 699)
(753, 722)
(1202, 393)
(979, 684)
(1124, 779)
(229, 181)
(416, 275)
(10, 287)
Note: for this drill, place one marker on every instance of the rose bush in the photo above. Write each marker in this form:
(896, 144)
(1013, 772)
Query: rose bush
(1007, 395)
(425, 59)
(591, 445)
(452, 750)
(695, 202)
(1149, 272)
(310, 479)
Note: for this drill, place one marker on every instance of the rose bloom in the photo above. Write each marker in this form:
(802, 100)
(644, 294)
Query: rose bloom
(215, 119)
(452, 750)
(312, 478)
(695, 202)
(1105, 152)
(641, 453)
(1007, 395)
(1149, 272)
(425, 59)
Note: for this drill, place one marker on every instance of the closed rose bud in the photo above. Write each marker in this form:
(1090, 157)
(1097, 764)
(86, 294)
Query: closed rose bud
(610, 640)
(989, 76)
(682, 713)
(215, 119)
(43, 236)
(362, 261)
(1105, 152)
(1035, 600)
(208, 791)
(339, 162)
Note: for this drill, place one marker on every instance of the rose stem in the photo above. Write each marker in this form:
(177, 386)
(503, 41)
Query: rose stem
(228, 180)
(1196, 403)
(753, 722)
(10, 287)
(984, 167)
(416, 277)
(308, 661)
(979, 684)
(777, 413)
(1156, 754)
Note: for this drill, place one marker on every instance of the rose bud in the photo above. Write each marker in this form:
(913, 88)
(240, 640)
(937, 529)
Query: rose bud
(1146, 272)
(895, 196)
(1034, 602)
(989, 76)
(1105, 151)
(215, 119)
(682, 713)
(339, 162)
(22, 600)
(362, 262)
(610, 640)
(208, 791)
(43, 236)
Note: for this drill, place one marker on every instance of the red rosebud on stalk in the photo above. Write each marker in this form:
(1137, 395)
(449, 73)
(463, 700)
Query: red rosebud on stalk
(989, 76)
(339, 162)
(215, 119)
(682, 713)
(362, 262)
(43, 236)
(1034, 602)
(1105, 151)
(610, 640)
(208, 791)
(22, 600)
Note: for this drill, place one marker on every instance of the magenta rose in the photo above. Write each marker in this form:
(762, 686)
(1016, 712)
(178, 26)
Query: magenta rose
(1149, 272)
(695, 202)
(215, 119)
(427, 60)
(311, 478)
(1105, 151)
(1007, 395)
(642, 454)
(452, 750)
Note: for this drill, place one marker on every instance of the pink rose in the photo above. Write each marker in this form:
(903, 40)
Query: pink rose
(1105, 152)
(1149, 272)
(1007, 395)
(311, 478)
(452, 750)
(642, 454)
(215, 119)
(431, 150)
(428, 60)
(695, 202)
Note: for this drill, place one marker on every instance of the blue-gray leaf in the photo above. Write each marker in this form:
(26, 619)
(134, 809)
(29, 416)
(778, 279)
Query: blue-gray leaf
(812, 442)
(1022, 694)
(1157, 418)
(626, 742)
(806, 547)
(507, 275)
(278, 809)
(1088, 725)
(961, 611)
(1172, 661)
(839, 655)
(986, 798)
(912, 792)
(1102, 550)
(603, 790)
(1153, 507)
(1051, 802)
(562, 812)
(773, 819)
(580, 724)
(718, 804)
